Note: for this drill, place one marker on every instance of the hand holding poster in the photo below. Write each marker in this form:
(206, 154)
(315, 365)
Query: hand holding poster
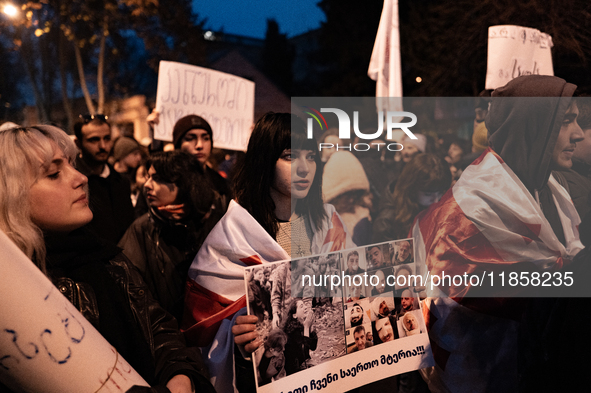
(514, 51)
(320, 331)
(224, 100)
(46, 345)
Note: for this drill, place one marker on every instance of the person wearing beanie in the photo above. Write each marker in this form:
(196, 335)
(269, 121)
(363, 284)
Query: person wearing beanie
(193, 134)
(345, 186)
(127, 155)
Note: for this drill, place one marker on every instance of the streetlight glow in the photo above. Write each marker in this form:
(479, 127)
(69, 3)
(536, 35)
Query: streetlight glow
(10, 10)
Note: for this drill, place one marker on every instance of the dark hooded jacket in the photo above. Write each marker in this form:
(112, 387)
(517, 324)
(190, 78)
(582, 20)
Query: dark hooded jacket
(523, 131)
(523, 122)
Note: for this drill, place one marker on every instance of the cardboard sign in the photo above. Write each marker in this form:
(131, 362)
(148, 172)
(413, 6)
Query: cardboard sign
(224, 100)
(514, 51)
(339, 320)
(46, 345)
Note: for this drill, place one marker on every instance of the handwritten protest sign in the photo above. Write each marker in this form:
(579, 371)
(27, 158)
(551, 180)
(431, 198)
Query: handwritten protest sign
(224, 100)
(514, 51)
(46, 345)
(338, 321)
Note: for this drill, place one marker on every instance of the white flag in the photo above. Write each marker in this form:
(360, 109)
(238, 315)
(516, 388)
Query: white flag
(384, 66)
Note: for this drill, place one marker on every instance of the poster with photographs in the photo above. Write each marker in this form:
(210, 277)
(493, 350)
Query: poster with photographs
(339, 320)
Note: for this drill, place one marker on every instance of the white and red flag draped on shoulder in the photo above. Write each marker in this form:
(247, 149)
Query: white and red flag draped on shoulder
(384, 66)
(488, 222)
(215, 289)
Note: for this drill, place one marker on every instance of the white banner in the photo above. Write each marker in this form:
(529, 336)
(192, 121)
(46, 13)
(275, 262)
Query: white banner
(226, 101)
(384, 66)
(514, 51)
(46, 345)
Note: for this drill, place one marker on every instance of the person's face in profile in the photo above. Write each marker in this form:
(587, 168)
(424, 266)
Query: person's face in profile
(570, 134)
(159, 191)
(403, 251)
(384, 329)
(410, 322)
(356, 314)
(376, 257)
(353, 263)
(360, 339)
(58, 199)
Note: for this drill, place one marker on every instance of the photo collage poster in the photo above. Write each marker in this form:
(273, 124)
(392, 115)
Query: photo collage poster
(340, 320)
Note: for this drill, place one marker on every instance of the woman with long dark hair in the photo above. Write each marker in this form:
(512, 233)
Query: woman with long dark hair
(301, 338)
(278, 213)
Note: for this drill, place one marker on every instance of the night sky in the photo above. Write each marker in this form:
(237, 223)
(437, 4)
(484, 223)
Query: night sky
(249, 17)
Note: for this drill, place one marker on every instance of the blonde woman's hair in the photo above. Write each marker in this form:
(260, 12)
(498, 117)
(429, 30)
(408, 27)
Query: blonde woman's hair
(25, 155)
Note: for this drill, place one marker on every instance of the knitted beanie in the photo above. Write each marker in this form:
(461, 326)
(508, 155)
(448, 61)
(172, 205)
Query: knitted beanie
(420, 142)
(342, 173)
(124, 146)
(188, 123)
(480, 137)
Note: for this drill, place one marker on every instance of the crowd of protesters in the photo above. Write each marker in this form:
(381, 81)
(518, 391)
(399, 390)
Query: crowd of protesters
(150, 238)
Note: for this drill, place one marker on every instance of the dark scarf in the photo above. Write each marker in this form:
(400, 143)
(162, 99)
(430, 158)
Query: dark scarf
(84, 258)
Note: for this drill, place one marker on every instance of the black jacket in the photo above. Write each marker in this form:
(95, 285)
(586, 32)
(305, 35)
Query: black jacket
(163, 250)
(110, 202)
(139, 320)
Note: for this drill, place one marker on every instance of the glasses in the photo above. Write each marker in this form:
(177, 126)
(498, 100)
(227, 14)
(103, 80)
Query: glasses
(88, 118)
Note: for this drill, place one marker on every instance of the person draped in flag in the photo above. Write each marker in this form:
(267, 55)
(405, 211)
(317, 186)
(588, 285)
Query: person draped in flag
(505, 214)
(278, 213)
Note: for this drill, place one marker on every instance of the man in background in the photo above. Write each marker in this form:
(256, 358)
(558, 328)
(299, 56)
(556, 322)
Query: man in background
(109, 192)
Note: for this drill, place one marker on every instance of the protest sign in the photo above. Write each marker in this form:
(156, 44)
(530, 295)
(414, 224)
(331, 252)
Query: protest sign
(226, 101)
(320, 331)
(514, 51)
(46, 345)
